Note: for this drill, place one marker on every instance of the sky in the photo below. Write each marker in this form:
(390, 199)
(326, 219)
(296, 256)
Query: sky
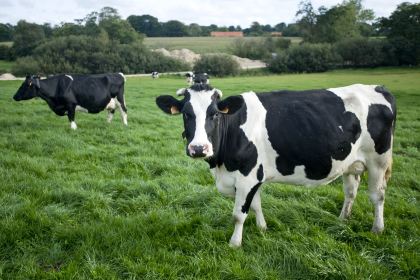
(203, 12)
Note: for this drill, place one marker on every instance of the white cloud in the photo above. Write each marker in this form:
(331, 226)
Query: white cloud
(204, 12)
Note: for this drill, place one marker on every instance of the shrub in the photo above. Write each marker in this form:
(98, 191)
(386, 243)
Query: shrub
(25, 66)
(278, 64)
(258, 48)
(5, 52)
(362, 52)
(311, 58)
(217, 65)
(85, 54)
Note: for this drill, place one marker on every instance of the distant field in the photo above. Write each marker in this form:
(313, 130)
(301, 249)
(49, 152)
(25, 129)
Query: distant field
(198, 44)
(6, 43)
(114, 202)
(6, 66)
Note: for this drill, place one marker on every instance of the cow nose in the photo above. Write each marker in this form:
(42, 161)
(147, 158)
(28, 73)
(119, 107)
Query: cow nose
(198, 150)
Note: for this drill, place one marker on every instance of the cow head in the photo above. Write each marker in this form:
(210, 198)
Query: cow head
(28, 89)
(202, 110)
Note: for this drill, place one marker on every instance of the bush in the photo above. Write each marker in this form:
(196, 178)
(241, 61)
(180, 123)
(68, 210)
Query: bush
(217, 65)
(278, 64)
(5, 52)
(258, 48)
(85, 54)
(362, 52)
(25, 66)
(311, 58)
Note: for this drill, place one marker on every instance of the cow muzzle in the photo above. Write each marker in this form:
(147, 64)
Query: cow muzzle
(200, 151)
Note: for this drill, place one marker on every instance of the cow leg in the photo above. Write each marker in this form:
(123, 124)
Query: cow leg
(377, 186)
(256, 206)
(71, 112)
(350, 185)
(121, 105)
(111, 109)
(243, 198)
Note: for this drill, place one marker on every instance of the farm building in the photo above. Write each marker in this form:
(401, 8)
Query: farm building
(276, 34)
(227, 34)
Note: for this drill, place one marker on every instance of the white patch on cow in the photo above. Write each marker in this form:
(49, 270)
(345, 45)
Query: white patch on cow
(81, 109)
(70, 77)
(123, 114)
(73, 125)
(180, 91)
(123, 76)
(341, 128)
(200, 101)
(111, 105)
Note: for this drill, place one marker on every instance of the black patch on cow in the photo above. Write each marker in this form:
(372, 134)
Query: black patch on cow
(309, 128)
(249, 197)
(230, 144)
(201, 87)
(391, 99)
(260, 173)
(379, 125)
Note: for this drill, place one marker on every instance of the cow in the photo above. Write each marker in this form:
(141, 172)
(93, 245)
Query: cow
(194, 78)
(309, 138)
(65, 94)
(155, 74)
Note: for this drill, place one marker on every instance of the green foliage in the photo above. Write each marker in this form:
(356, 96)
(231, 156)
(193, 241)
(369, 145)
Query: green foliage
(26, 37)
(6, 52)
(403, 31)
(218, 65)
(258, 48)
(305, 58)
(26, 65)
(362, 52)
(6, 32)
(345, 20)
(85, 54)
(146, 24)
(114, 202)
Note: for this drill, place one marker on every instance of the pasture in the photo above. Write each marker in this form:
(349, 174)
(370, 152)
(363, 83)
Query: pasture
(114, 202)
(201, 45)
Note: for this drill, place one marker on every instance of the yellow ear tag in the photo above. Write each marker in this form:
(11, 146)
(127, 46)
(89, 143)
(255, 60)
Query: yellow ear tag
(225, 111)
(174, 110)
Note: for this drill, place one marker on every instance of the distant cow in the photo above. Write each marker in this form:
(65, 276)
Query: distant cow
(197, 78)
(295, 137)
(65, 94)
(155, 74)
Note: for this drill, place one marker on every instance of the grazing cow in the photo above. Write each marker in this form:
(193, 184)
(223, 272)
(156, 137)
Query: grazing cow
(65, 94)
(155, 74)
(295, 137)
(190, 77)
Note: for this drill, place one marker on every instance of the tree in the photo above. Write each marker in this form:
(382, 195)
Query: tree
(255, 29)
(345, 20)
(146, 24)
(119, 30)
(231, 28)
(280, 27)
(174, 28)
(26, 37)
(194, 30)
(6, 32)
(403, 31)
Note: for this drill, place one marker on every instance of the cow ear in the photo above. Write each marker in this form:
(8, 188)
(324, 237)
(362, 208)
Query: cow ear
(230, 105)
(169, 104)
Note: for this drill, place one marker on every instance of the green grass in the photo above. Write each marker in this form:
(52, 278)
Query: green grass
(114, 202)
(6, 66)
(199, 45)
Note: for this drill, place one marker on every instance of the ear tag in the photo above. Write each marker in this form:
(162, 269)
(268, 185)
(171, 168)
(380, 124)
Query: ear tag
(174, 110)
(225, 111)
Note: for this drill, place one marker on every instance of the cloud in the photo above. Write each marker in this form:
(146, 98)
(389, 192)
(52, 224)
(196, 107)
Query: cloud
(204, 12)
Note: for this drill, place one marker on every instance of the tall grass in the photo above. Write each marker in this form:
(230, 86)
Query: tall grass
(114, 202)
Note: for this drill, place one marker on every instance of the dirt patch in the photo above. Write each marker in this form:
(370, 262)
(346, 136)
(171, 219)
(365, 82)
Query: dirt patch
(7, 76)
(190, 57)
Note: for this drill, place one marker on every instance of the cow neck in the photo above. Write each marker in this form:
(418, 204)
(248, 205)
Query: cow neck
(43, 93)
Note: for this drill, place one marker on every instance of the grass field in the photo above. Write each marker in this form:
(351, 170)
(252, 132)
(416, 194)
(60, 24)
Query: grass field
(114, 202)
(199, 45)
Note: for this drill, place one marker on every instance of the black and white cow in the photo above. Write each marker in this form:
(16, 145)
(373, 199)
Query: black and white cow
(296, 137)
(65, 94)
(155, 74)
(190, 77)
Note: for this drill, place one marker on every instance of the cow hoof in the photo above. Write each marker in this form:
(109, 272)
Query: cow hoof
(377, 229)
(262, 226)
(73, 126)
(235, 244)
